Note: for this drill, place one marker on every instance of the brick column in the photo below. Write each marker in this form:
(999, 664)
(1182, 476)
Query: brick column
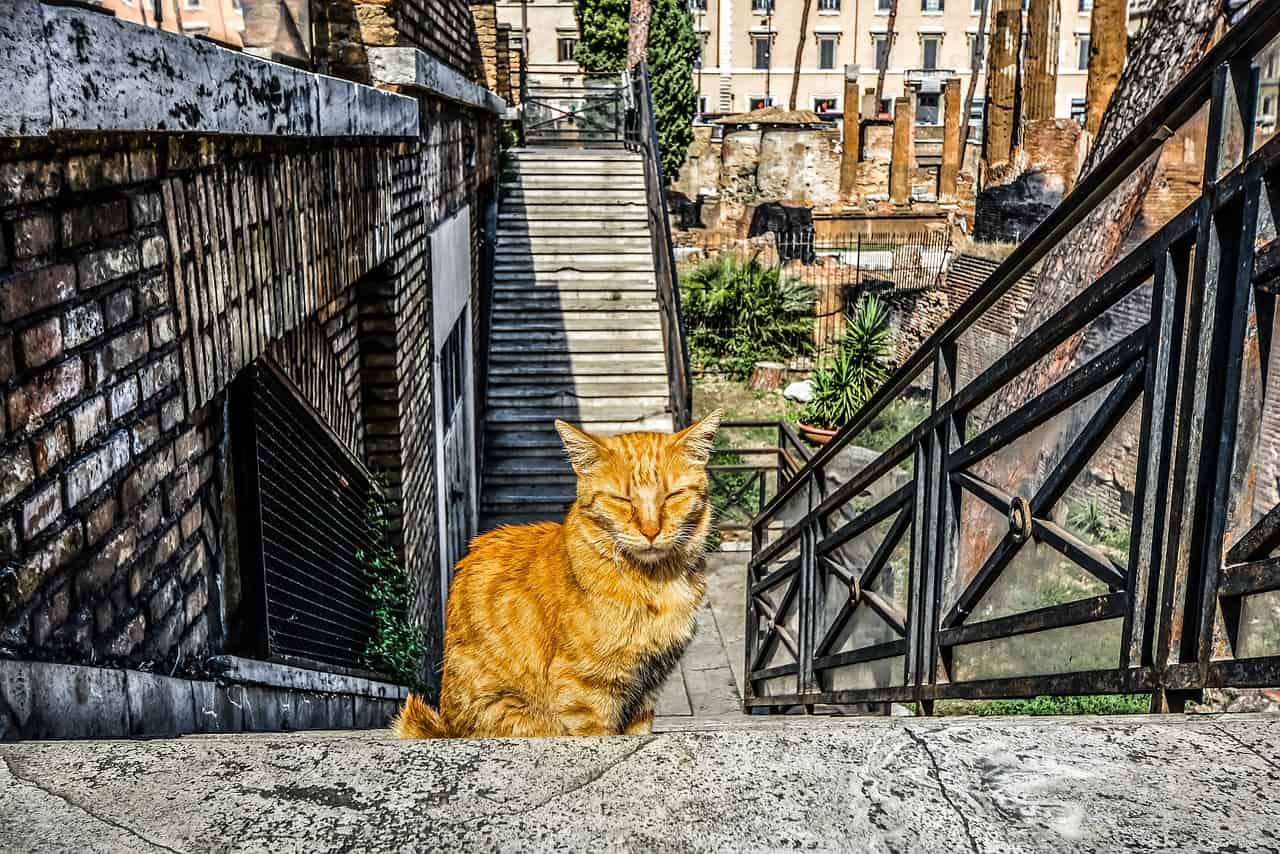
(1002, 82)
(485, 15)
(1040, 86)
(952, 130)
(852, 120)
(904, 121)
(1108, 47)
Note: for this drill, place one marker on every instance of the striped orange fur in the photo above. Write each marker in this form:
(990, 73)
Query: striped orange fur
(571, 628)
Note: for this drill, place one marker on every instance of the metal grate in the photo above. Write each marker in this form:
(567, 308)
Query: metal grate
(302, 522)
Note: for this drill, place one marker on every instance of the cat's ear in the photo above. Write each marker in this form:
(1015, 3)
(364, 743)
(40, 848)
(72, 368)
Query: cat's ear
(698, 440)
(585, 450)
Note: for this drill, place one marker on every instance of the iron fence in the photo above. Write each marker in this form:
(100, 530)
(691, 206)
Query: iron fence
(587, 111)
(1115, 529)
(751, 462)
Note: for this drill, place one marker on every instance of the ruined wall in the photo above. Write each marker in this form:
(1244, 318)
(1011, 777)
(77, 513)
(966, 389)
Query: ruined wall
(1043, 171)
(444, 29)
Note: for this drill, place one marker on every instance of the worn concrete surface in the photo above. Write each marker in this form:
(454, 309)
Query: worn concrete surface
(1137, 784)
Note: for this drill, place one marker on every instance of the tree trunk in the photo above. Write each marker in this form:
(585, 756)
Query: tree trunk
(1107, 48)
(795, 71)
(979, 59)
(882, 63)
(638, 32)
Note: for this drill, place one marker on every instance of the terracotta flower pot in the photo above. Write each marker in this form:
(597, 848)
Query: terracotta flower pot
(817, 435)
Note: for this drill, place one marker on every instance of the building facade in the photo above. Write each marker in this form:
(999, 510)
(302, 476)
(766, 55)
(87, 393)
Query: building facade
(749, 50)
(219, 20)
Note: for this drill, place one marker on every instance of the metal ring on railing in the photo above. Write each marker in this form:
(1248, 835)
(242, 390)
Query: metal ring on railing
(1019, 519)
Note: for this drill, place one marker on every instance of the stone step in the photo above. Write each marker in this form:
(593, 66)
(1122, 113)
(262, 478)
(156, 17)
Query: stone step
(576, 322)
(585, 389)
(534, 493)
(623, 339)
(489, 521)
(568, 154)
(607, 363)
(547, 215)
(517, 307)
(601, 199)
(526, 351)
(620, 284)
(561, 181)
(516, 227)
(583, 406)
(559, 244)
(513, 258)
(607, 420)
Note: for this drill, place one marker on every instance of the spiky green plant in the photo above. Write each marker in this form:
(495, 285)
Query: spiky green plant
(398, 643)
(859, 367)
(740, 311)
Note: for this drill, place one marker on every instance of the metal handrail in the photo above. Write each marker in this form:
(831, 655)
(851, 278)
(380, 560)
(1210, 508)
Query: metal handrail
(641, 134)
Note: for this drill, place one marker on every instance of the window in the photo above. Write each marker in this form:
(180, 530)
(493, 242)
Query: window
(975, 7)
(565, 48)
(826, 52)
(976, 50)
(828, 5)
(762, 7)
(1083, 60)
(882, 6)
(192, 4)
(881, 42)
(1078, 110)
(929, 52)
(824, 105)
(697, 5)
(760, 50)
(886, 108)
(1086, 6)
(702, 105)
(1268, 106)
(932, 7)
(759, 103)
(927, 109)
(977, 111)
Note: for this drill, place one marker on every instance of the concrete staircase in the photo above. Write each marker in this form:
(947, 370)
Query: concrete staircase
(576, 330)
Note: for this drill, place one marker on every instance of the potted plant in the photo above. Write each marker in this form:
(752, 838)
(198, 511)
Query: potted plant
(859, 367)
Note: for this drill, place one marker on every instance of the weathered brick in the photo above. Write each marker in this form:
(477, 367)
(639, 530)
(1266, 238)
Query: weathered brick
(187, 445)
(163, 600)
(50, 617)
(16, 473)
(24, 293)
(94, 222)
(115, 554)
(197, 599)
(91, 171)
(34, 236)
(145, 433)
(86, 476)
(186, 480)
(165, 636)
(145, 477)
(197, 639)
(59, 384)
(129, 639)
(41, 343)
(191, 521)
(166, 545)
(41, 510)
(124, 398)
(147, 208)
(96, 374)
(7, 366)
(158, 376)
(154, 252)
(55, 554)
(8, 538)
(127, 348)
(107, 265)
(162, 330)
(104, 615)
(100, 520)
(150, 516)
(142, 164)
(51, 447)
(153, 292)
(119, 308)
(88, 420)
(171, 413)
(81, 324)
(29, 181)
(194, 563)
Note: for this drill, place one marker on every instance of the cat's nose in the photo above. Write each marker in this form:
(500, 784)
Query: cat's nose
(650, 530)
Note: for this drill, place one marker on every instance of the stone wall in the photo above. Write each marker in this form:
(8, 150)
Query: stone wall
(444, 29)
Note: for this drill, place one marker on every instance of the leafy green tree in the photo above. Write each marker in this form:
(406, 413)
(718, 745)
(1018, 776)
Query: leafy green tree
(673, 49)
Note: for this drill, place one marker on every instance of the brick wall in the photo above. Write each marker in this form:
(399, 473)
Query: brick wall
(442, 28)
(138, 275)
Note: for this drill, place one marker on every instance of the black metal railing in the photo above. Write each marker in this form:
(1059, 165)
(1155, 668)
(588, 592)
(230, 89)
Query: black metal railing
(641, 134)
(587, 112)
(751, 462)
(1111, 530)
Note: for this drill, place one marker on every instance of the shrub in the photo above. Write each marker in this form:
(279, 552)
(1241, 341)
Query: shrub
(398, 644)
(859, 368)
(738, 312)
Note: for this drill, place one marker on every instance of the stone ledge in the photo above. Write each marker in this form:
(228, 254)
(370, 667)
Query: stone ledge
(232, 668)
(40, 700)
(413, 69)
(84, 71)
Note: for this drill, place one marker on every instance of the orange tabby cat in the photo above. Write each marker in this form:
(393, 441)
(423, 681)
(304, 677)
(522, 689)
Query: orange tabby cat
(571, 629)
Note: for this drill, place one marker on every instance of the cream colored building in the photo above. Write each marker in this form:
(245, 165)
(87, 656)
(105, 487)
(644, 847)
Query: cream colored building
(749, 50)
(220, 20)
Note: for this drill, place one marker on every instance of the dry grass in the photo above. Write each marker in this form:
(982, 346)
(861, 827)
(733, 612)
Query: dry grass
(994, 251)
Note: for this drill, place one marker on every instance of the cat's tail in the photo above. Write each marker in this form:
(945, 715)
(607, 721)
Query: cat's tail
(419, 720)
